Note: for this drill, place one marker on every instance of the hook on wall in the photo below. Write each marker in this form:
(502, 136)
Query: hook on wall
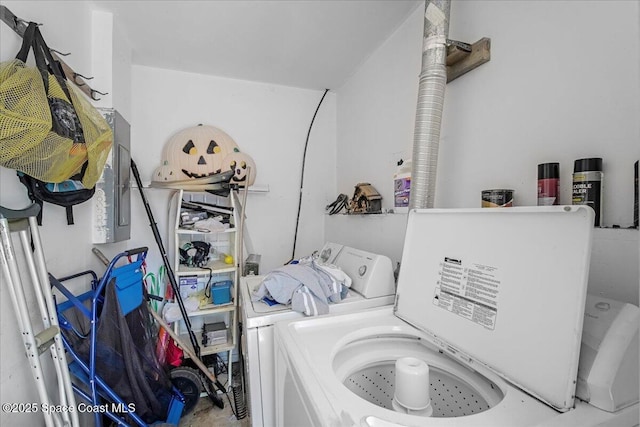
(80, 82)
(20, 25)
(60, 53)
(93, 92)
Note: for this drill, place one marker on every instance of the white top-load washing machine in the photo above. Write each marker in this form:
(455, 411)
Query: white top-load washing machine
(373, 285)
(486, 330)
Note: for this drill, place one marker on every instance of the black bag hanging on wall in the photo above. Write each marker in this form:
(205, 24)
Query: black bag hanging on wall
(72, 152)
(66, 194)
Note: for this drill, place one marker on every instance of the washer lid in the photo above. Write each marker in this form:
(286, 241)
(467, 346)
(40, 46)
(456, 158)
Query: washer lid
(504, 287)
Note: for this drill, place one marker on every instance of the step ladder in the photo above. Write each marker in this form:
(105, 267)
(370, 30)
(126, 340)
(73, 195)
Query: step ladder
(23, 225)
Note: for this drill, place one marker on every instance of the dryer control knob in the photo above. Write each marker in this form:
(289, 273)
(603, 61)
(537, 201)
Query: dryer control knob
(362, 270)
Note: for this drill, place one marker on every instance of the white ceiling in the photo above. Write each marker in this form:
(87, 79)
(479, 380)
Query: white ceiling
(313, 44)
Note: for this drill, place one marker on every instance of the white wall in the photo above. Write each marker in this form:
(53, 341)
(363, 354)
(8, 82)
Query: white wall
(561, 85)
(268, 122)
(111, 63)
(376, 112)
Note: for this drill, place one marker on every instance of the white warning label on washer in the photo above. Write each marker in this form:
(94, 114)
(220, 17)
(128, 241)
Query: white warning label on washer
(469, 290)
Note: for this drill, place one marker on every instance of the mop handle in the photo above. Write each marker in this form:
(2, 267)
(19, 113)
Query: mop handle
(165, 260)
(100, 256)
(184, 347)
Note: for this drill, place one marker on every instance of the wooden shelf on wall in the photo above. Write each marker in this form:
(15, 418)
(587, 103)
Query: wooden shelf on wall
(460, 62)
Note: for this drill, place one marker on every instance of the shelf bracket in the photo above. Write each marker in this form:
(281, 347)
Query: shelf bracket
(462, 57)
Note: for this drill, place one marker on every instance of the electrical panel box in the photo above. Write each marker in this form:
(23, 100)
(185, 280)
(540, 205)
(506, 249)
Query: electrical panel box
(112, 200)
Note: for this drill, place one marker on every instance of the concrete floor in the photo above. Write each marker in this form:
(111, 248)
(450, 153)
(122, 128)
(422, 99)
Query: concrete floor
(207, 414)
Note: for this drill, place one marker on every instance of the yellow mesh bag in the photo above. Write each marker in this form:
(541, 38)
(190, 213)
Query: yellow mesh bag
(25, 118)
(28, 142)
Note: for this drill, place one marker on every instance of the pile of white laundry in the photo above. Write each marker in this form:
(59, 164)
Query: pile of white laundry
(309, 286)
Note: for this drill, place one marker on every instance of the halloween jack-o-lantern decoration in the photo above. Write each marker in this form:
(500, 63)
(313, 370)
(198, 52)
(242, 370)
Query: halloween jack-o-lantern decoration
(241, 164)
(166, 173)
(203, 158)
(198, 151)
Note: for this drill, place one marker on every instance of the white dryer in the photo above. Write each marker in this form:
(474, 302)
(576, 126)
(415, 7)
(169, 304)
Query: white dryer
(486, 331)
(373, 285)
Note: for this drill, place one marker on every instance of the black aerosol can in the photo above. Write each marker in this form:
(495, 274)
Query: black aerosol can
(587, 185)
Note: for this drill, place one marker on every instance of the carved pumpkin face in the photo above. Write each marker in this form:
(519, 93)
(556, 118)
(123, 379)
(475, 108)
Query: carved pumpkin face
(198, 151)
(166, 173)
(240, 164)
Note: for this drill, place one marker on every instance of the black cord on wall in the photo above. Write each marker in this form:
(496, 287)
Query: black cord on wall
(304, 158)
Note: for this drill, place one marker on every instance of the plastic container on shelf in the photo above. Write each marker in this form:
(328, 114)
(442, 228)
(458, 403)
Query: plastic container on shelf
(221, 292)
(402, 186)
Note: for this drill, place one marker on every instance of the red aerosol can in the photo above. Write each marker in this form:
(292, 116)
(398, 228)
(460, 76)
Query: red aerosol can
(548, 184)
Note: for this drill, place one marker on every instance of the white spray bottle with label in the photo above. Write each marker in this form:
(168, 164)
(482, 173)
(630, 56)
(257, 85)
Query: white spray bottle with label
(402, 186)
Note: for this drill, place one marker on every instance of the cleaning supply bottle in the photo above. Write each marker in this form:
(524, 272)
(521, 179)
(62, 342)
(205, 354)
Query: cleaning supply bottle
(402, 186)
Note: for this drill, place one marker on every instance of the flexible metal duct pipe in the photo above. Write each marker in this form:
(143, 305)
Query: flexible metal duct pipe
(433, 79)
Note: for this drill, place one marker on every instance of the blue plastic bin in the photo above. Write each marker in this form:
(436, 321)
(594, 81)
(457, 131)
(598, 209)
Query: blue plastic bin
(221, 292)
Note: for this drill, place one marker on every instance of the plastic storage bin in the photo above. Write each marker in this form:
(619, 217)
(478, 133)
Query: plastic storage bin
(221, 292)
